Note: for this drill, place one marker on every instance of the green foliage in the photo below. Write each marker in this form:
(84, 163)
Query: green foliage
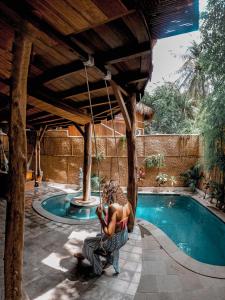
(192, 76)
(161, 178)
(155, 161)
(173, 180)
(96, 181)
(213, 108)
(122, 141)
(99, 157)
(174, 112)
(192, 176)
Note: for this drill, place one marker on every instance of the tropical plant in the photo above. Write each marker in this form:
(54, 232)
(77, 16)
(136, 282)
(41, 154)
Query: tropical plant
(173, 180)
(122, 141)
(161, 178)
(192, 176)
(99, 157)
(155, 161)
(96, 182)
(174, 111)
(192, 76)
(213, 109)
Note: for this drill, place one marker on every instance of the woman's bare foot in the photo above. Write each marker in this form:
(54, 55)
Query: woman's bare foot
(79, 256)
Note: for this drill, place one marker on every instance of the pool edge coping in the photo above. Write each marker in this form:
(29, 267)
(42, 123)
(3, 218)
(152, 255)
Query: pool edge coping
(36, 204)
(179, 256)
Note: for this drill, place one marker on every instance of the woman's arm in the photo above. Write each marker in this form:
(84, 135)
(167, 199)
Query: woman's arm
(109, 229)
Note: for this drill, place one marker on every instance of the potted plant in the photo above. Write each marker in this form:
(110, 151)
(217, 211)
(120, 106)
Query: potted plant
(173, 180)
(154, 161)
(99, 157)
(192, 177)
(161, 179)
(96, 182)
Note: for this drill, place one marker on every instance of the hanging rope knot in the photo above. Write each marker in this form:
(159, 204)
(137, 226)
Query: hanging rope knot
(108, 75)
(90, 62)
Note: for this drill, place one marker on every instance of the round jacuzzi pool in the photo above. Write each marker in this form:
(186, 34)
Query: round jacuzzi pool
(59, 208)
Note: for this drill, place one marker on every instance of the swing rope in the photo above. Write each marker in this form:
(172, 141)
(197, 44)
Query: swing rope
(114, 131)
(93, 123)
(95, 139)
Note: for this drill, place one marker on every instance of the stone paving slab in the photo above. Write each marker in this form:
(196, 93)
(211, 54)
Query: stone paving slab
(50, 270)
(162, 278)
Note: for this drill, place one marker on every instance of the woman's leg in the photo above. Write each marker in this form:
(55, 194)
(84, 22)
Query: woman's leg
(90, 245)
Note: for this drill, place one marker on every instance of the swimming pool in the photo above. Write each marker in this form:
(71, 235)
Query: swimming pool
(192, 227)
(60, 206)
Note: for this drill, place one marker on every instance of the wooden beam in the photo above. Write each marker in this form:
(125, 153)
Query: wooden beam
(120, 100)
(82, 89)
(43, 132)
(87, 161)
(39, 116)
(123, 53)
(58, 72)
(132, 159)
(105, 111)
(79, 129)
(54, 119)
(14, 237)
(57, 124)
(113, 56)
(24, 10)
(98, 104)
(61, 110)
(98, 86)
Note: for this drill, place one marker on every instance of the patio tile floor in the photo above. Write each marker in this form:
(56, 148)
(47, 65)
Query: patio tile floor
(50, 270)
(51, 273)
(163, 278)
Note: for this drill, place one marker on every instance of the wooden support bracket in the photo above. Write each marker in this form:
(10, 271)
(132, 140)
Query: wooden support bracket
(79, 129)
(118, 94)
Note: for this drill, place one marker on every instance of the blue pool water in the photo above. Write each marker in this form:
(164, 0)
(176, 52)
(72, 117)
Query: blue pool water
(192, 227)
(60, 206)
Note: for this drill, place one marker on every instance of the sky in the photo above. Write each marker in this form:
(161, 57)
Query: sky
(167, 55)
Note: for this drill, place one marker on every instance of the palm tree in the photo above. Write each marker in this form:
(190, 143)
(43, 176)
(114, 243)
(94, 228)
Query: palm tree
(192, 78)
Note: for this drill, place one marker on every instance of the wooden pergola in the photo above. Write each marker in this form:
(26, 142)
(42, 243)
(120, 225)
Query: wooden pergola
(43, 47)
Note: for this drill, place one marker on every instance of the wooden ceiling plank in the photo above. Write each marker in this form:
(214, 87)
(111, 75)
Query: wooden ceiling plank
(41, 9)
(110, 57)
(24, 13)
(67, 13)
(111, 8)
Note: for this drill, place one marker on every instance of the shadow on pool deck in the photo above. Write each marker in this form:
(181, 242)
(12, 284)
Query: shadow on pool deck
(50, 270)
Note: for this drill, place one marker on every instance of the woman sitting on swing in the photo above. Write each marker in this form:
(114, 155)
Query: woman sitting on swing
(116, 221)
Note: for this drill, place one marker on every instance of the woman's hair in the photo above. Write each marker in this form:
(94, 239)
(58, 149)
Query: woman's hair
(112, 193)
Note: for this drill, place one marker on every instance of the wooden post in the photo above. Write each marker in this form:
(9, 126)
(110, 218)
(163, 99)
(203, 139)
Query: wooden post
(40, 136)
(131, 154)
(14, 236)
(36, 160)
(87, 162)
